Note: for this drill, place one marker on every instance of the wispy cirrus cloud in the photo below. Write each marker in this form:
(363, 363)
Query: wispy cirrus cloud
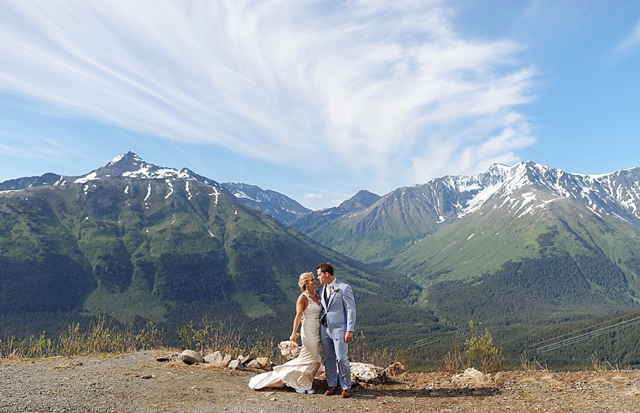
(629, 44)
(384, 90)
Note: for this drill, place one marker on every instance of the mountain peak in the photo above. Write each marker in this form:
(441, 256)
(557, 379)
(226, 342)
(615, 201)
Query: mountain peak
(361, 200)
(132, 166)
(125, 158)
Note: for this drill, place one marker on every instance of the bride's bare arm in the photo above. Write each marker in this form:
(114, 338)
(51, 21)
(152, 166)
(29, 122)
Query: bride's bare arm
(301, 305)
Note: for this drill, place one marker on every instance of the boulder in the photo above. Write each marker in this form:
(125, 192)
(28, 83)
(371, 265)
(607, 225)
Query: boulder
(262, 363)
(367, 373)
(246, 360)
(470, 376)
(191, 357)
(395, 369)
(217, 359)
(236, 365)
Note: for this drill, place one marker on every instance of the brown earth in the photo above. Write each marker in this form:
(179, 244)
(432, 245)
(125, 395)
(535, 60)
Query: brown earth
(138, 383)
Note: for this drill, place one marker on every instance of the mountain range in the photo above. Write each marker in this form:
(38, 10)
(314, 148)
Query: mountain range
(519, 248)
(526, 243)
(142, 242)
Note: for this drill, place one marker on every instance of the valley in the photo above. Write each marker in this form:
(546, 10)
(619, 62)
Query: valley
(528, 251)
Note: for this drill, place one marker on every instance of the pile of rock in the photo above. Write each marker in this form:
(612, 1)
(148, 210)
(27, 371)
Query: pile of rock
(220, 359)
(360, 372)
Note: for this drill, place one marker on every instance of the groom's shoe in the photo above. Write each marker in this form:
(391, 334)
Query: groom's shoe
(330, 391)
(346, 393)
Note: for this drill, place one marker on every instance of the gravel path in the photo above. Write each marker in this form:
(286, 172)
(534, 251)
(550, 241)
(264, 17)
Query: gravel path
(138, 383)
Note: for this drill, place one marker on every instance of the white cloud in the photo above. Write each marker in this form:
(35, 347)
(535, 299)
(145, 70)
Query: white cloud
(629, 44)
(312, 196)
(385, 90)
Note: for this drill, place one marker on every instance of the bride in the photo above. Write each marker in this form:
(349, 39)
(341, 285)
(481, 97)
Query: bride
(299, 372)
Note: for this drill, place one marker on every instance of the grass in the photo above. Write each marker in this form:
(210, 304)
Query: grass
(100, 338)
(103, 337)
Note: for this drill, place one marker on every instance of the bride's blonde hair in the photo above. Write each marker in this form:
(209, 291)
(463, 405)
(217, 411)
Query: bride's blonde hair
(304, 277)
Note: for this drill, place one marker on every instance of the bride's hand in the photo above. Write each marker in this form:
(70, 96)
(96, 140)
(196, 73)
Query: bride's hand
(293, 337)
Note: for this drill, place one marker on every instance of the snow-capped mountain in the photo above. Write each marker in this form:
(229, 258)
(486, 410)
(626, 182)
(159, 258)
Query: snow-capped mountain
(133, 239)
(407, 215)
(273, 203)
(127, 166)
(130, 167)
(616, 193)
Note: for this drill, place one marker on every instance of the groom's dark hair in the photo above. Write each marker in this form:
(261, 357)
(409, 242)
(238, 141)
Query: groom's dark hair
(325, 267)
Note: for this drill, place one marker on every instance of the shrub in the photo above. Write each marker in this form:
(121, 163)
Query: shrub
(481, 353)
(361, 351)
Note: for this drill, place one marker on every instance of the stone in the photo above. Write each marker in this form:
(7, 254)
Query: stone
(262, 363)
(236, 365)
(191, 357)
(367, 373)
(470, 376)
(217, 359)
(395, 369)
(247, 360)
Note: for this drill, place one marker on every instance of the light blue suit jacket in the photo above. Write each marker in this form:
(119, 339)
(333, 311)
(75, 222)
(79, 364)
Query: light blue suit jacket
(340, 310)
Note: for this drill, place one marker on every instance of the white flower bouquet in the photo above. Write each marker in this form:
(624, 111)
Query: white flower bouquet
(289, 349)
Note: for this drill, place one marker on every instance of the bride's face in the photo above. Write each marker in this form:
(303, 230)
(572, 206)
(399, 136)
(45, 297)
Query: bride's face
(311, 284)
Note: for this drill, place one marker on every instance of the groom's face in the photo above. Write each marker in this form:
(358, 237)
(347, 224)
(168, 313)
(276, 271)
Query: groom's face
(324, 277)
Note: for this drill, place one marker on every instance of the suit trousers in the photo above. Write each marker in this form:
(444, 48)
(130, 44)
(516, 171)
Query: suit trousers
(336, 361)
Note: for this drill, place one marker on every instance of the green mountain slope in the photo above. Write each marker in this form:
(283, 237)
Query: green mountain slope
(554, 264)
(511, 246)
(139, 241)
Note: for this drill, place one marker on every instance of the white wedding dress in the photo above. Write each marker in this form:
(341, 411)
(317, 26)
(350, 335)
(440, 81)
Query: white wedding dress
(298, 372)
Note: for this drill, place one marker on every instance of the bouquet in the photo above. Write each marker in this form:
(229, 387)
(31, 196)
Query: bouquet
(289, 349)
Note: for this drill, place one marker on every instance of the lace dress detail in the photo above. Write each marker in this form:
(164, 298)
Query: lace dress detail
(299, 372)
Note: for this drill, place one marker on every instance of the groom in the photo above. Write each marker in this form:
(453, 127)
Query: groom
(338, 321)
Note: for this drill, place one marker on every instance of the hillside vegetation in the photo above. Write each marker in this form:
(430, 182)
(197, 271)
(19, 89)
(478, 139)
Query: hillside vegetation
(142, 243)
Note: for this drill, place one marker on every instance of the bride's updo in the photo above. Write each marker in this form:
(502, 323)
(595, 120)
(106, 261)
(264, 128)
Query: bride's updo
(304, 277)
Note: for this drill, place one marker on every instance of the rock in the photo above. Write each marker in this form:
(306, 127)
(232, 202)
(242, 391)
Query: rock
(500, 378)
(236, 365)
(262, 363)
(217, 359)
(395, 369)
(247, 360)
(367, 373)
(191, 357)
(470, 376)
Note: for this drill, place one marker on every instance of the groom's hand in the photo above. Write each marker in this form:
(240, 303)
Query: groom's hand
(348, 337)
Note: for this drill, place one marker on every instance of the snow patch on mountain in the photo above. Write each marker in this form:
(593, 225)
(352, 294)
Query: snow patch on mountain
(148, 192)
(86, 178)
(216, 193)
(118, 158)
(480, 198)
(168, 181)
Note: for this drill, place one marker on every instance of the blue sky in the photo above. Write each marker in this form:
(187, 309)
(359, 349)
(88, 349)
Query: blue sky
(319, 99)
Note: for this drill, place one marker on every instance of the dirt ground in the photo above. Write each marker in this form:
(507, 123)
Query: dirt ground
(138, 383)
